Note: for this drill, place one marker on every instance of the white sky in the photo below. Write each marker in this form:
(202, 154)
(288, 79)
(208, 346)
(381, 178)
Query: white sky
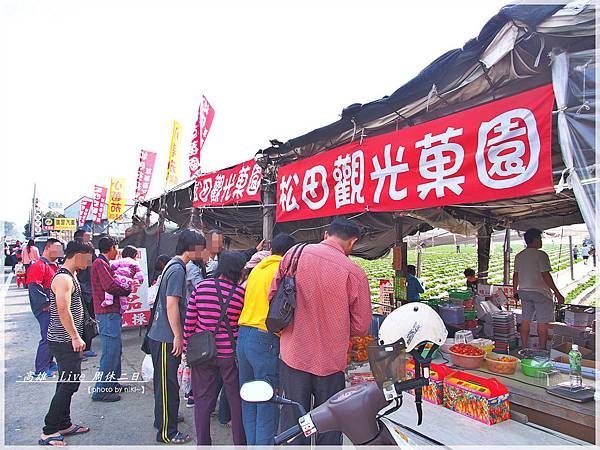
(85, 85)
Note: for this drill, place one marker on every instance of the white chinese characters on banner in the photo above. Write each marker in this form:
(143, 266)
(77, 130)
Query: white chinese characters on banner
(501, 149)
(287, 200)
(311, 185)
(434, 161)
(391, 171)
(510, 164)
(237, 185)
(349, 176)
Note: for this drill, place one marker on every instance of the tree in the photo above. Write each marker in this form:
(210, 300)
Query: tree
(27, 229)
(10, 229)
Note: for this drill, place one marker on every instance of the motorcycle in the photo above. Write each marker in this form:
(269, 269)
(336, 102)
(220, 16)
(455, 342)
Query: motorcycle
(366, 404)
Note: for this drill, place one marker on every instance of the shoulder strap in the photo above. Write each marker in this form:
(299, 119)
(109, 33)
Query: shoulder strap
(162, 278)
(224, 304)
(302, 247)
(294, 253)
(224, 307)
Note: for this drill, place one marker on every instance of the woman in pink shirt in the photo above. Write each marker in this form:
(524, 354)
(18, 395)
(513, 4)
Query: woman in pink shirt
(204, 310)
(30, 254)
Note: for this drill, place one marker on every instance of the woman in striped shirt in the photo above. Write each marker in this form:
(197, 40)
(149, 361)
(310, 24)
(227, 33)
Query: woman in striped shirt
(203, 313)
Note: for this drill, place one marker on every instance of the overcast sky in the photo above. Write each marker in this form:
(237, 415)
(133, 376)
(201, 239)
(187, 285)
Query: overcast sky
(86, 85)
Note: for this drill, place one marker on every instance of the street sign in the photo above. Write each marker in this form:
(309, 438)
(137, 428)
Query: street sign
(54, 205)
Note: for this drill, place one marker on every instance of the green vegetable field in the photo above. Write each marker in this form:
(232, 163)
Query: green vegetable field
(442, 268)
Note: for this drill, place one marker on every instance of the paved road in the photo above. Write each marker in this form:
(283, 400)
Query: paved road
(128, 422)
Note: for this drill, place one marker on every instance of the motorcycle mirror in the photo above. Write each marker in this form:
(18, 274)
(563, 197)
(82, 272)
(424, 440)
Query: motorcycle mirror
(256, 391)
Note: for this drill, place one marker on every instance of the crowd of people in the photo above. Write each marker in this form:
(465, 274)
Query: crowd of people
(203, 289)
(206, 290)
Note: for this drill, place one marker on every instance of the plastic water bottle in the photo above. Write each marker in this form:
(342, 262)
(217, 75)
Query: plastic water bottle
(575, 367)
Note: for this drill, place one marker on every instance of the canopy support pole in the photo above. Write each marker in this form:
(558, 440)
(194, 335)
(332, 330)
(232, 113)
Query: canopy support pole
(195, 221)
(507, 255)
(268, 216)
(484, 239)
(400, 260)
(571, 257)
(419, 254)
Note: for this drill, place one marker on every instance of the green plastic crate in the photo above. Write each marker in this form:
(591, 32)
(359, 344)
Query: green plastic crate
(460, 294)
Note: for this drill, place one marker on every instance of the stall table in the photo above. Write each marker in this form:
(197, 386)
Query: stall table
(528, 396)
(455, 430)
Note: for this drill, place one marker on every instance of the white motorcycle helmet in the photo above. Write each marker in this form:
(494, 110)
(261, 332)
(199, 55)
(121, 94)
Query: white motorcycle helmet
(401, 332)
(414, 323)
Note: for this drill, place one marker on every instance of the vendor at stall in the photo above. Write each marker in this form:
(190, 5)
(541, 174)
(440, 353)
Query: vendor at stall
(414, 287)
(472, 279)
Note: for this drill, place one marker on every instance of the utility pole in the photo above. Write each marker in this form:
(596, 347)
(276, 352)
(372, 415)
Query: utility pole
(32, 219)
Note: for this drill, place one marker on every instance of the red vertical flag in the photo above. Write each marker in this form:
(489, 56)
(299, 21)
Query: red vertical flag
(99, 203)
(84, 210)
(147, 160)
(206, 113)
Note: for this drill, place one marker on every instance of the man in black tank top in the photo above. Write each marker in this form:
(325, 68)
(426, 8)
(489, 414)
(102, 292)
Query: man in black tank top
(66, 343)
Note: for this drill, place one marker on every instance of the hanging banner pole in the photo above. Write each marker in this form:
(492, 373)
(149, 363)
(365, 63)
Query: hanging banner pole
(173, 164)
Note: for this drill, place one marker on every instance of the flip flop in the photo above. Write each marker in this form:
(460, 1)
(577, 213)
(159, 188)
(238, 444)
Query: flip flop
(49, 440)
(180, 438)
(75, 430)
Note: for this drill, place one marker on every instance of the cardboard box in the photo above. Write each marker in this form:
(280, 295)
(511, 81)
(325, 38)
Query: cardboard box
(562, 329)
(482, 399)
(578, 318)
(434, 393)
(564, 349)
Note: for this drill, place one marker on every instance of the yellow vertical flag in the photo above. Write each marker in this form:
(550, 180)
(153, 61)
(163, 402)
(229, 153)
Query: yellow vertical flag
(116, 199)
(173, 165)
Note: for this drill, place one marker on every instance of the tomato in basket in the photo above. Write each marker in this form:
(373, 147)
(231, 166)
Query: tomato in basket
(467, 350)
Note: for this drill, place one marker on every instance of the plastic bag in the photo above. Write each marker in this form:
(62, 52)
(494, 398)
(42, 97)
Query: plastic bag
(147, 368)
(184, 377)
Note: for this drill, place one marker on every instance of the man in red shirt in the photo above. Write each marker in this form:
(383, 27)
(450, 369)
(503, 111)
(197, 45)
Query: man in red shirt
(109, 321)
(39, 277)
(333, 303)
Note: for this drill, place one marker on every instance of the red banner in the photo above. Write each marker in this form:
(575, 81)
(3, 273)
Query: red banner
(498, 150)
(147, 160)
(206, 113)
(99, 203)
(84, 211)
(240, 184)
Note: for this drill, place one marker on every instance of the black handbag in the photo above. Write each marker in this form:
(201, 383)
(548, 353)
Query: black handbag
(146, 343)
(90, 326)
(283, 304)
(202, 346)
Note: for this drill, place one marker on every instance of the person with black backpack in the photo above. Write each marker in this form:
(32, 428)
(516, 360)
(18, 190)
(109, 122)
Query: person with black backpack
(211, 329)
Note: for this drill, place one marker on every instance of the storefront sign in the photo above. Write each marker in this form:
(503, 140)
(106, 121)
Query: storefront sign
(47, 224)
(84, 211)
(147, 160)
(240, 184)
(498, 150)
(116, 199)
(137, 312)
(99, 203)
(206, 113)
(173, 165)
(65, 224)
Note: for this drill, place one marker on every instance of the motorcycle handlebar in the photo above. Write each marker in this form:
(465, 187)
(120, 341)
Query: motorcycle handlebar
(288, 434)
(414, 383)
